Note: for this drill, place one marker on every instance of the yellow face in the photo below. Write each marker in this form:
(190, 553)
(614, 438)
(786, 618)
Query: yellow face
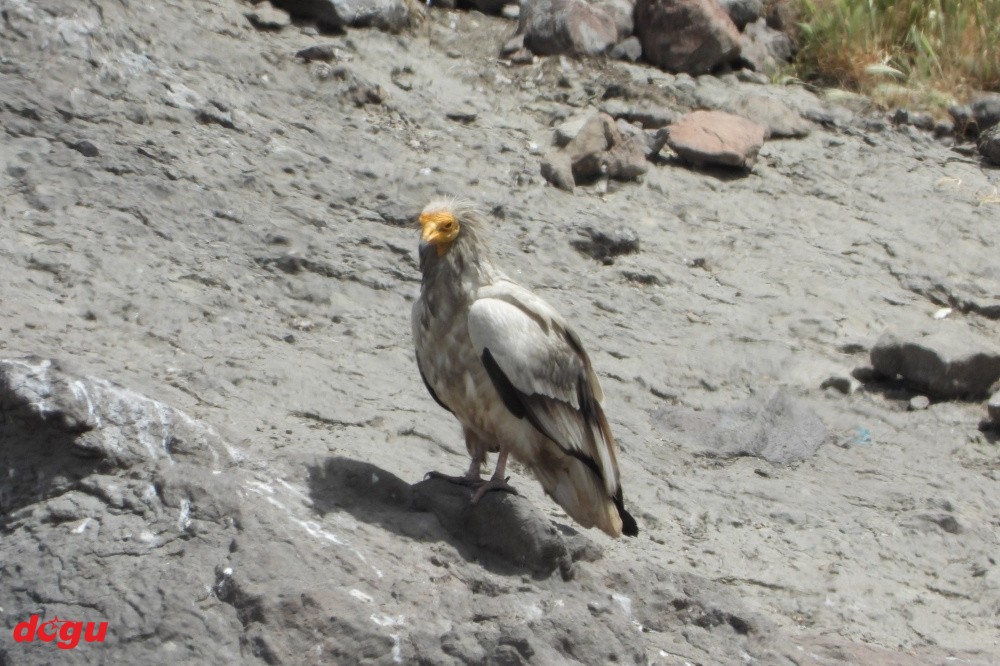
(440, 228)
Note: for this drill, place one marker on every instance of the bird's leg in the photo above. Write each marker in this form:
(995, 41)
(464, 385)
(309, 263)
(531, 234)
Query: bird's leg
(473, 477)
(498, 481)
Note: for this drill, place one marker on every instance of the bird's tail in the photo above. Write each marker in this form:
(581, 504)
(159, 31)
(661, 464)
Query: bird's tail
(582, 494)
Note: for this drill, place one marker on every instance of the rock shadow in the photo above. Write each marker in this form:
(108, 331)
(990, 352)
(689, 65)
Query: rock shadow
(890, 388)
(40, 456)
(503, 532)
(901, 389)
(723, 173)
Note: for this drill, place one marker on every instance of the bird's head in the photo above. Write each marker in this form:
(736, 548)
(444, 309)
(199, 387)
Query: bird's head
(439, 226)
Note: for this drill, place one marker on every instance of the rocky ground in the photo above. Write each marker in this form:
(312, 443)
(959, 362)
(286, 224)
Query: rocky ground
(214, 432)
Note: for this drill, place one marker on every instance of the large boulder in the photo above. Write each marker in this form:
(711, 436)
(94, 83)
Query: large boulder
(949, 360)
(717, 138)
(692, 36)
(566, 26)
(389, 15)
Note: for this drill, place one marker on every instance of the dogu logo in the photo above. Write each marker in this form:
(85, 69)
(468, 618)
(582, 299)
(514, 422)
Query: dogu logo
(66, 633)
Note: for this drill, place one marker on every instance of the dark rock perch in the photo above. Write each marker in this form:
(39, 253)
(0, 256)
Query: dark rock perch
(503, 527)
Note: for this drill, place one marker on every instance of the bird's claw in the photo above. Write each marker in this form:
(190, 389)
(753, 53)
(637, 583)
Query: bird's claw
(464, 480)
(493, 484)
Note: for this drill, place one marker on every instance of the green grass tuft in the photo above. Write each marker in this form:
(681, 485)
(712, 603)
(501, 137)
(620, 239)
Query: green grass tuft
(934, 53)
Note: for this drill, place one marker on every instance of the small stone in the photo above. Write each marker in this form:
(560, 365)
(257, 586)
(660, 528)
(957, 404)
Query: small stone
(865, 374)
(986, 111)
(629, 49)
(650, 116)
(602, 245)
(943, 128)
(85, 148)
(973, 119)
(942, 313)
(511, 12)
(266, 17)
(993, 408)
(513, 45)
(362, 94)
(651, 140)
(568, 130)
(323, 52)
(750, 76)
(763, 48)
(522, 57)
(919, 402)
(838, 383)
(463, 114)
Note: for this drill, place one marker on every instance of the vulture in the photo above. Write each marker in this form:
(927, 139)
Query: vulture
(513, 373)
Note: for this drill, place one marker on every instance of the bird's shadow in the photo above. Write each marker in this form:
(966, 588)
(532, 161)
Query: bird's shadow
(503, 532)
(41, 455)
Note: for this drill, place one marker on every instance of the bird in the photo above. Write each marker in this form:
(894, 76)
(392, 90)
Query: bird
(508, 366)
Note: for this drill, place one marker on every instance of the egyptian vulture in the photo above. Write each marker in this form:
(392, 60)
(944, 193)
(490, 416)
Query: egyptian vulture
(513, 373)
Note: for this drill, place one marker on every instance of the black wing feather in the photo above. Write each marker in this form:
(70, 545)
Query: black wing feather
(520, 405)
(431, 390)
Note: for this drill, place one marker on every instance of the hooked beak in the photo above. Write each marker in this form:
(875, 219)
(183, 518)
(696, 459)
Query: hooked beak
(431, 232)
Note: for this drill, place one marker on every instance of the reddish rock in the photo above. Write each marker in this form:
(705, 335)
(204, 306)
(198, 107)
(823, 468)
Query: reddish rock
(717, 137)
(690, 36)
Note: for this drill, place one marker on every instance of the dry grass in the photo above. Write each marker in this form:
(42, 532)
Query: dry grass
(924, 53)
